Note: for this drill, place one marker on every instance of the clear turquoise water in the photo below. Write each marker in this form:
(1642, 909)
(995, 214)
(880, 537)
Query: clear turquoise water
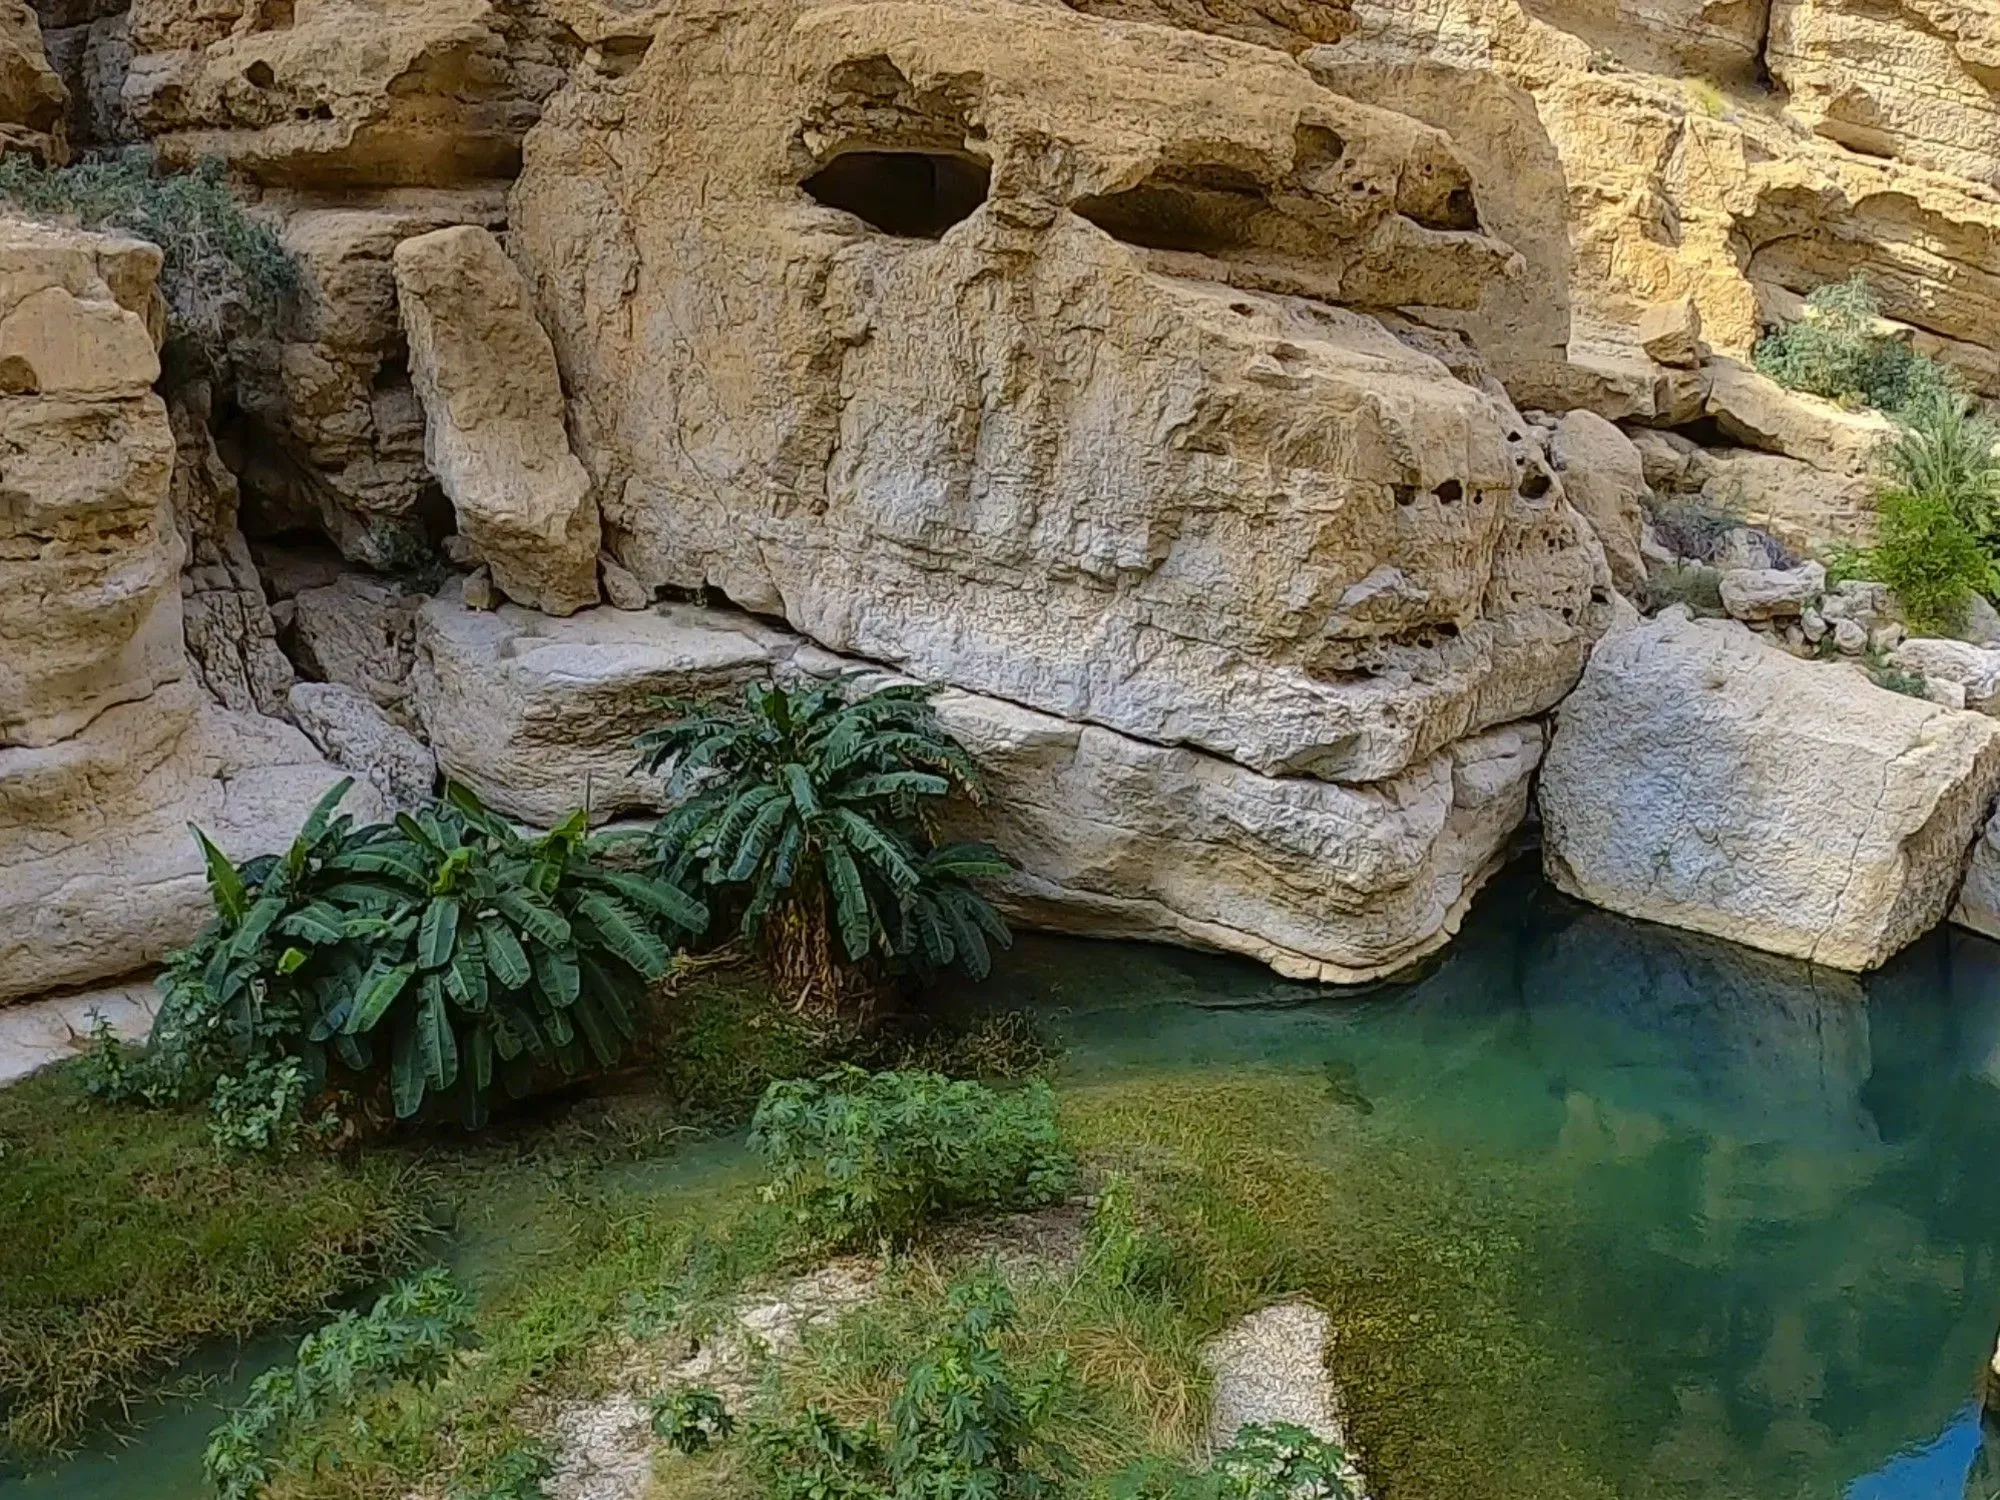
(1774, 1263)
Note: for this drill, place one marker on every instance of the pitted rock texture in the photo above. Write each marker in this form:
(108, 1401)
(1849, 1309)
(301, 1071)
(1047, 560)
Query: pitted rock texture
(90, 594)
(1113, 836)
(493, 418)
(877, 321)
(1699, 777)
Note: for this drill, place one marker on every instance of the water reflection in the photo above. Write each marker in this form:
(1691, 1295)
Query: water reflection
(1778, 1262)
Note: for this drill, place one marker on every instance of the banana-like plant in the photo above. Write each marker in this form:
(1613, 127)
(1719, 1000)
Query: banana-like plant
(818, 805)
(477, 952)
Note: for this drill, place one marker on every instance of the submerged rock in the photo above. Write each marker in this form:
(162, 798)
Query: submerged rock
(1701, 779)
(1269, 1368)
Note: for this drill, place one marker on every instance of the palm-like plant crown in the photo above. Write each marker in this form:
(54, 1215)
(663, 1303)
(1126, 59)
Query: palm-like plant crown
(794, 793)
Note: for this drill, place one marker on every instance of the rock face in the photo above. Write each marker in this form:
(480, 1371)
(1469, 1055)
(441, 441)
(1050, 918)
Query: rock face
(1113, 835)
(1605, 480)
(1030, 401)
(493, 408)
(1700, 778)
(108, 747)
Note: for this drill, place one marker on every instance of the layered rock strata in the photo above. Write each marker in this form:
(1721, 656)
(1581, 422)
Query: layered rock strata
(108, 745)
(1113, 836)
(1701, 778)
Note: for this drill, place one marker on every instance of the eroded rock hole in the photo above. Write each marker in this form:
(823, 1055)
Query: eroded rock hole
(911, 194)
(1205, 210)
(1450, 492)
(1406, 494)
(1535, 483)
(259, 75)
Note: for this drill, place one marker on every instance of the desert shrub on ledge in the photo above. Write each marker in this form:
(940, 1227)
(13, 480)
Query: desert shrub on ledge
(1838, 351)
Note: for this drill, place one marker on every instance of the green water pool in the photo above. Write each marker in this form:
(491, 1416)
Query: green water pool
(1751, 1212)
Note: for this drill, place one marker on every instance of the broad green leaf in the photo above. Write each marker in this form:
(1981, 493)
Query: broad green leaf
(624, 932)
(465, 979)
(225, 881)
(292, 960)
(538, 920)
(406, 1070)
(378, 993)
(318, 922)
(850, 900)
(556, 973)
(798, 782)
(437, 1046)
(438, 936)
(661, 897)
(315, 827)
(504, 956)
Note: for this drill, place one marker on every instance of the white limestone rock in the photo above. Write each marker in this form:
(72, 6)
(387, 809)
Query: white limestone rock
(1605, 479)
(354, 733)
(1975, 669)
(1759, 594)
(1699, 779)
(493, 418)
(359, 631)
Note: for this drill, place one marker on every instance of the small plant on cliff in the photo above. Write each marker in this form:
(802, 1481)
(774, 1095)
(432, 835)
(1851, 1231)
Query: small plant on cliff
(858, 1157)
(818, 809)
(1838, 352)
(476, 952)
(221, 268)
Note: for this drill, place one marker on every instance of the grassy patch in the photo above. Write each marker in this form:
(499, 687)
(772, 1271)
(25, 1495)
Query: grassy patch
(129, 1240)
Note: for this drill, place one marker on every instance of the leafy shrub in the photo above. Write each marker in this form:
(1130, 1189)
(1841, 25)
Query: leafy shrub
(861, 1157)
(1837, 352)
(1896, 680)
(109, 1067)
(220, 264)
(966, 1422)
(1695, 525)
(1930, 557)
(475, 951)
(1696, 585)
(1945, 449)
(521, 1471)
(1276, 1461)
(819, 812)
(260, 1111)
(409, 1335)
(690, 1418)
(814, 1456)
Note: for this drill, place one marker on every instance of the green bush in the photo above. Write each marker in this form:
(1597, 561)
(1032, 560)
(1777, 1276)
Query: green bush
(476, 952)
(966, 1422)
(1276, 1461)
(409, 1335)
(220, 266)
(520, 1471)
(690, 1418)
(1930, 557)
(818, 811)
(261, 1110)
(862, 1157)
(1835, 351)
(1122, 1249)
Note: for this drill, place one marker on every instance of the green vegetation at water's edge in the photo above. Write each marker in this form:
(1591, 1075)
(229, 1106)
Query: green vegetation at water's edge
(129, 1241)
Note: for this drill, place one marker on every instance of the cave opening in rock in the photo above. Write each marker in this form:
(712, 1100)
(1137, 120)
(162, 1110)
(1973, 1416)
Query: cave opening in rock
(911, 194)
(1206, 210)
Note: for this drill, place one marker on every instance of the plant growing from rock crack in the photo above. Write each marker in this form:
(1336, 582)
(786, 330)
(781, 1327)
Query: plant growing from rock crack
(221, 265)
(1837, 351)
(860, 1157)
(819, 808)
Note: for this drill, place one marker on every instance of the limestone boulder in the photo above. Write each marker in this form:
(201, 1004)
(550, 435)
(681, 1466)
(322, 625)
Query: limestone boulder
(1758, 595)
(1670, 333)
(1114, 836)
(1801, 506)
(538, 716)
(98, 873)
(357, 736)
(1759, 413)
(1975, 669)
(329, 434)
(1605, 480)
(1055, 402)
(493, 418)
(90, 54)
(1700, 779)
(343, 93)
(90, 598)
(32, 97)
(360, 632)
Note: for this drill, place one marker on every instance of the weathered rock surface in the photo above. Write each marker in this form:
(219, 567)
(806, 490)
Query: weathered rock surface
(360, 632)
(1114, 836)
(1701, 779)
(32, 98)
(343, 93)
(44, 1032)
(90, 600)
(1976, 669)
(1269, 1368)
(1605, 480)
(493, 409)
(1028, 405)
(98, 874)
(1760, 594)
(353, 733)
